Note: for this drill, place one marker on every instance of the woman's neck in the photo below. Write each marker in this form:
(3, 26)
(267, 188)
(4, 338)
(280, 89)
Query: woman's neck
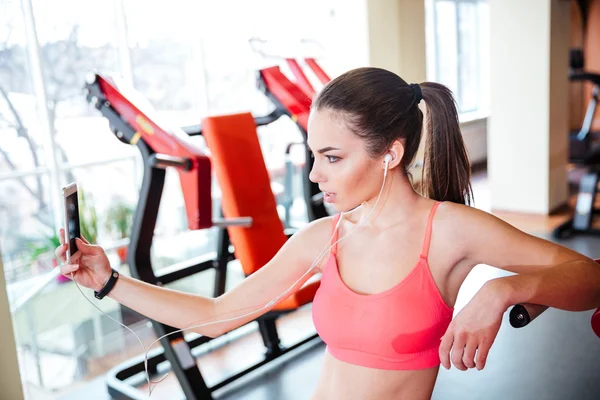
(397, 204)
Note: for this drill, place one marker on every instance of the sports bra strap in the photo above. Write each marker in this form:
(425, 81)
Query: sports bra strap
(336, 223)
(427, 240)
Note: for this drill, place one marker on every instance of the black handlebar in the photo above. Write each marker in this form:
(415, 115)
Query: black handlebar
(195, 130)
(523, 314)
(585, 76)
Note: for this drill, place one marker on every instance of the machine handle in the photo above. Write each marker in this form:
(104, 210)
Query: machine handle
(163, 161)
(240, 221)
(523, 314)
(196, 130)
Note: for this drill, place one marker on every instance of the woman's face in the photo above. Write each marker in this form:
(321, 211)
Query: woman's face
(344, 172)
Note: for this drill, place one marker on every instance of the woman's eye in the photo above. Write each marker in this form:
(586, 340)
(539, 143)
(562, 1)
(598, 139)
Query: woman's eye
(333, 159)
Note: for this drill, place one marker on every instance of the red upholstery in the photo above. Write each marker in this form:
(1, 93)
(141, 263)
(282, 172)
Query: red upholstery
(288, 94)
(301, 79)
(323, 77)
(596, 316)
(245, 184)
(596, 322)
(195, 183)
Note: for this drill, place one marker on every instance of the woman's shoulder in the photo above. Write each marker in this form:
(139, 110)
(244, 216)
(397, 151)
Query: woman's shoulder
(458, 224)
(315, 236)
(454, 213)
(315, 232)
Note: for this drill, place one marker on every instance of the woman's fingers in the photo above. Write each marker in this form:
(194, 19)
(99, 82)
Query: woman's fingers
(458, 348)
(74, 259)
(68, 268)
(482, 353)
(468, 358)
(61, 251)
(445, 347)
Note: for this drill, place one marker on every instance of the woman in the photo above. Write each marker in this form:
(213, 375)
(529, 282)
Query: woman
(388, 289)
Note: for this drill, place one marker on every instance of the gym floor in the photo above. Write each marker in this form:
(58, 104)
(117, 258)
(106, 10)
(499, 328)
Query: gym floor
(556, 357)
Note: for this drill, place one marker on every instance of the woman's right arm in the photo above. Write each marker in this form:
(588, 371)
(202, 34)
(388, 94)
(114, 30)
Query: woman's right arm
(182, 310)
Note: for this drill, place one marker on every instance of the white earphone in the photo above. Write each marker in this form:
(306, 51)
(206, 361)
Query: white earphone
(387, 159)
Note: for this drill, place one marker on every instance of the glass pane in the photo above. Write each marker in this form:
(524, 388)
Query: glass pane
(430, 40)
(447, 45)
(166, 57)
(60, 338)
(283, 29)
(484, 55)
(21, 147)
(75, 38)
(104, 190)
(26, 227)
(468, 58)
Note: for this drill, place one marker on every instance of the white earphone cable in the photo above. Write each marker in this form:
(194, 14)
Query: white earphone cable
(266, 306)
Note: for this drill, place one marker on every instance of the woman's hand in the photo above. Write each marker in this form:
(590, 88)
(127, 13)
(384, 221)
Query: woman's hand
(474, 329)
(90, 266)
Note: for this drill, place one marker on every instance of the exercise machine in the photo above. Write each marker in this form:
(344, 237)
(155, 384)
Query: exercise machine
(249, 218)
(584, 152)
(294, 100)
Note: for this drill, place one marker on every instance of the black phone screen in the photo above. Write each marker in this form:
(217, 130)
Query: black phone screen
(72, 206)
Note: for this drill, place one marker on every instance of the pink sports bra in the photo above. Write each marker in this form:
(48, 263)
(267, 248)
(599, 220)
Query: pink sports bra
(398, 329)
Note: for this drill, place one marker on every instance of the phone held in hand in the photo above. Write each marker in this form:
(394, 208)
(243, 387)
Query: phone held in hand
(72, 227)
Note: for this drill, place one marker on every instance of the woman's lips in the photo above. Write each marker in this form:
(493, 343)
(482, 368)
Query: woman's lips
(328, 197)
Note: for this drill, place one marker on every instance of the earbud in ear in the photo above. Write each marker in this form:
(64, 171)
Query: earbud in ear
(387, 158)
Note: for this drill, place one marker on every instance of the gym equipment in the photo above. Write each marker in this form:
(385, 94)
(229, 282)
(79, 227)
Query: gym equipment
(301, 80)
(293, 99)
(583, 152)
(252, 221)
(522, 314)
(289, 99)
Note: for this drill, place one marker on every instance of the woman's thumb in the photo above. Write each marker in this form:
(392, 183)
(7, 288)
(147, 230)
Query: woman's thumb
(84, 247)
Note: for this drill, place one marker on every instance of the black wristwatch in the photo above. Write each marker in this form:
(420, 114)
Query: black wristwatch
(108, 285)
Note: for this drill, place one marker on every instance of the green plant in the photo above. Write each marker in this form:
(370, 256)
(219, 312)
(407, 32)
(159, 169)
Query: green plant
(119, 219)
(40, 247)
(88, 220)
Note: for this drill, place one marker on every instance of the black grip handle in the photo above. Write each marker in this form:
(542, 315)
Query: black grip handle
(523, 314)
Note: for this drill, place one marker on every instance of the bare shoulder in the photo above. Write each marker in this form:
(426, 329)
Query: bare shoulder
(466, 227)
(483, 238)
(313, 239)
(447, 247)
(452, 218)
(461, 221)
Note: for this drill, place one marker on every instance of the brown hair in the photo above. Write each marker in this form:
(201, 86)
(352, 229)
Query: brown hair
(381, 107)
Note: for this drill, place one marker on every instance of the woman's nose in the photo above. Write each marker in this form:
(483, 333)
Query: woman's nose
(315, 176)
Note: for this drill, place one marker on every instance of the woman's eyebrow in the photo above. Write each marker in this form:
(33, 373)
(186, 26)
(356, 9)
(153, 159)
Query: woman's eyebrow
(328, 148)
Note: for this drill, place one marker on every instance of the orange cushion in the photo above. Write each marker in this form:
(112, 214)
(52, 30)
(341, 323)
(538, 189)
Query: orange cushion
(246, 187)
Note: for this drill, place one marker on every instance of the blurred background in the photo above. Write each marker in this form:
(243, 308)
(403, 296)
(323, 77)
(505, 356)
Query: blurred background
(507, 63)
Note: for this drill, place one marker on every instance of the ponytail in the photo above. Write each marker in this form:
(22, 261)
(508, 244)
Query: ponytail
(446, 170)
(381, 107)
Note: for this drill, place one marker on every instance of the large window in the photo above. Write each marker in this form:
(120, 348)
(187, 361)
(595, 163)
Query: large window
(188, 59)
(457, 51)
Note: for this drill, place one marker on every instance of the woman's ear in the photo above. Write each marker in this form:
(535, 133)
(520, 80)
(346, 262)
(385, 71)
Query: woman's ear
(397, 152)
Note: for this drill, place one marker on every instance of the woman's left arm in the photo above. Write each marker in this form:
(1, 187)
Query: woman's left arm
(547, 274)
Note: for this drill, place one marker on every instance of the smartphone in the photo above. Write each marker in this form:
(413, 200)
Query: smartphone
(72, 229)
